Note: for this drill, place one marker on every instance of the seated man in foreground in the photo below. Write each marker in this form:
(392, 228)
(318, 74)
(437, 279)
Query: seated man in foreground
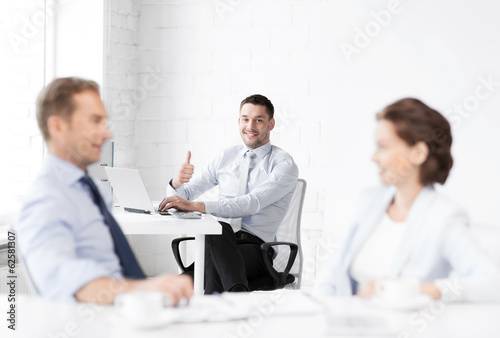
(70, 242)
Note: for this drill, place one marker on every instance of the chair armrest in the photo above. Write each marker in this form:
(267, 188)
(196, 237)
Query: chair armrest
(177, 254)
(279, 278)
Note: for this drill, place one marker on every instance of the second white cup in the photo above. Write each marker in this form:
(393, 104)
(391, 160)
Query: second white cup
(397, 290)
(140, 305)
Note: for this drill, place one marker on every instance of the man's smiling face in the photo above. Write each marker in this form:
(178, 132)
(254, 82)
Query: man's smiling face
(255, 125)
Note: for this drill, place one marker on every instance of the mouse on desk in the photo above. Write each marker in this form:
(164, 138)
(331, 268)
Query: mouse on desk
(165, 213)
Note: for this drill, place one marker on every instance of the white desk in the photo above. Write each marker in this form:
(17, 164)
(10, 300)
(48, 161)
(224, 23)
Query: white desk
(144, 224)
(37, 317)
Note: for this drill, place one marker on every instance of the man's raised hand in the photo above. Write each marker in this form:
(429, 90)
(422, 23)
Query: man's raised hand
(184, 174)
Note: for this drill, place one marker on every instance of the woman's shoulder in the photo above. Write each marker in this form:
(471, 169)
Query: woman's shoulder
(445, 206)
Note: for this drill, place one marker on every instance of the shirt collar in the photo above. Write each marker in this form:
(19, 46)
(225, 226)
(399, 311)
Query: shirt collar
(66, 172)
(259, 152)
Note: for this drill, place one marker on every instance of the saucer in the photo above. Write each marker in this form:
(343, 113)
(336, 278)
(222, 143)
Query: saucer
(164, 318)
(405, 304)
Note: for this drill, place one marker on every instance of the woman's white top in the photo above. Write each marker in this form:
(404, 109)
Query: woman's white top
(376, 256)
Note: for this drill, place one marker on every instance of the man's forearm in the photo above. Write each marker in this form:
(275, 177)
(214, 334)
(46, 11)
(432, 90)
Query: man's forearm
(103, 290)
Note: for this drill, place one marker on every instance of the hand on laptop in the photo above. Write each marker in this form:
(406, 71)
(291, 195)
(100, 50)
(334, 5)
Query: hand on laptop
(184, 174)
(181, 204)
(173, 287)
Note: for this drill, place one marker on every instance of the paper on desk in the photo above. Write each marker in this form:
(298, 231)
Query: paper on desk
(281, 303)
(360, 325)
(235, 306)
(208, 309)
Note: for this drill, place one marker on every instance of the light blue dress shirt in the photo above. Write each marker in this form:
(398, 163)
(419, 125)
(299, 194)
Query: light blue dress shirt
(272, 178)
(62, 236)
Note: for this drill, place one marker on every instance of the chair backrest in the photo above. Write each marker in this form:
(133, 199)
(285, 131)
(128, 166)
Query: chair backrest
(289, 231)
(30, 285)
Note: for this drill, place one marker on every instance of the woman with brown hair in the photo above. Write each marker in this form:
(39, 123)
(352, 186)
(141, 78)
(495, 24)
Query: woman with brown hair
(406, 228)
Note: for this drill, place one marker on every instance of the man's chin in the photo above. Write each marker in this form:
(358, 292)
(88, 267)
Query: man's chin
(251, 145)
(248, 143)
(90, 160)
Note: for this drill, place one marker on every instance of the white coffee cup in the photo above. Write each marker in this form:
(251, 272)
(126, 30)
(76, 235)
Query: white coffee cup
(397, 290)
(140, 305)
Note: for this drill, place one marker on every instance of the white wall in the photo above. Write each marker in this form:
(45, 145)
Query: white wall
(22, 71)
(28, 29)
(79, 39)
(440, 52)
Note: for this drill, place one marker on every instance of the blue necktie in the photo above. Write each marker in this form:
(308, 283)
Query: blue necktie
(131, 268)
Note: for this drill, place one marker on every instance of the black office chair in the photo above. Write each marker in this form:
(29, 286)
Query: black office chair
(286, 267)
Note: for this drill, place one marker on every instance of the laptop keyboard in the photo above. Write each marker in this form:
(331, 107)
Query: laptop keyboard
(187, 214)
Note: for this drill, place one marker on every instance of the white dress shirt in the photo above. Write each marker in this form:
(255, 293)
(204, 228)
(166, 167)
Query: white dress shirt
(62, 236)
(272, 178)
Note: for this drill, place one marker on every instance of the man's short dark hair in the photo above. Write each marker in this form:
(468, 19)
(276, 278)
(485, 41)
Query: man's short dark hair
(260, 100)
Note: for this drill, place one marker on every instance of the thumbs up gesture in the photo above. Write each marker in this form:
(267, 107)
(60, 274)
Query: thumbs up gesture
(184, 174)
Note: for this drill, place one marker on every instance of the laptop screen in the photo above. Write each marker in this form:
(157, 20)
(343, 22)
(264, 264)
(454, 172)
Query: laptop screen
(129, 189)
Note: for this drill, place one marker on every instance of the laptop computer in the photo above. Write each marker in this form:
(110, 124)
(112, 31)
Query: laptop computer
(133, 196)
(130, 190)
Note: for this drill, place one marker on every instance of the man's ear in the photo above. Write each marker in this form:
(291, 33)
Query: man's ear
(56, 125)
(420, 153)
(272, 122)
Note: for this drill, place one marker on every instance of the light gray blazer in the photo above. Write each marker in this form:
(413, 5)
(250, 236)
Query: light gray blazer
(436, 247)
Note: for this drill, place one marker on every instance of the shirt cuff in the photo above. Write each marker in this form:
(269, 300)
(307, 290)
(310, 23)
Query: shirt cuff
(211, 207)
(73, 289)
(170, 190)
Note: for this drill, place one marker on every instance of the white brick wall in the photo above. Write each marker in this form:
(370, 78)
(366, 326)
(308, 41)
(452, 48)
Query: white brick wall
(122, 83)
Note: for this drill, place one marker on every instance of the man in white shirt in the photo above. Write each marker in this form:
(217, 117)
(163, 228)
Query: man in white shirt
(257, 207)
